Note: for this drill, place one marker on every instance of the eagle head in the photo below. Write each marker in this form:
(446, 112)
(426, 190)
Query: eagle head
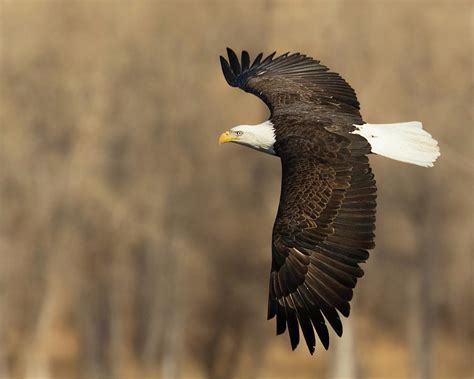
(260, 137)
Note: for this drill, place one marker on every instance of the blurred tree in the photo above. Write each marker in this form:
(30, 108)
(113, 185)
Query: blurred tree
(131, 247)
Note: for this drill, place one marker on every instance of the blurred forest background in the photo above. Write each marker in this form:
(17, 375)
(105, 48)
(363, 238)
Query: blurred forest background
(132, 246)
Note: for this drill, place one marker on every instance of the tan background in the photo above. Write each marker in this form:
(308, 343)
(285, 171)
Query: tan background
(132, 246)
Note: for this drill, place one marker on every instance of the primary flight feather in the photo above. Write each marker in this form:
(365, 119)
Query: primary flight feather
(326, 217)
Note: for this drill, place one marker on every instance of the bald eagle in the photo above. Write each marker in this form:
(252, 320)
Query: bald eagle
(326, 217)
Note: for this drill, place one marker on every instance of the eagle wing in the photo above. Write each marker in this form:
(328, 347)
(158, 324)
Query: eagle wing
(323, 229)
(294, 82)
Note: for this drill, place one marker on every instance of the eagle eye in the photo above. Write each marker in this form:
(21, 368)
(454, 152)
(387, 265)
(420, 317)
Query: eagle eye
(239, 132)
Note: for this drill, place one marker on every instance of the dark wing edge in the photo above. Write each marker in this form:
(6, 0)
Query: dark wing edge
(312, 278)
(237, 74)
(293, 68)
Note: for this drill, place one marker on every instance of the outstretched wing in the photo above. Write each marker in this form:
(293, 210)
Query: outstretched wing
(290, 81)
(323, 229)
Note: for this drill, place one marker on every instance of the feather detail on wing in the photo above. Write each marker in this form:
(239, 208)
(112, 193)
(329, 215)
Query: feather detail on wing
(289, 80)
(322, 232)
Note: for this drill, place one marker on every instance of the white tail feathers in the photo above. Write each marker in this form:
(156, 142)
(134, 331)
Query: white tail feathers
(405, 141)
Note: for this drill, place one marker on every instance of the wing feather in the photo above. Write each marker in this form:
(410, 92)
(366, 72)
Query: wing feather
(234, 62)
(295, 76)
(324, 227)
(245, 59)
(257, 60)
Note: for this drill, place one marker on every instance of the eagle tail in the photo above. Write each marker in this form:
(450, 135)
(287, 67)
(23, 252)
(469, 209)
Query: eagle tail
(405, 142)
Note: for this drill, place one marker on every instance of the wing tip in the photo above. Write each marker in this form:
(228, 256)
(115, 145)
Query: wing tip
(294, 340)
(283, 324)
(229, 51)
(233, 68)
(227, 71)
(325, 345)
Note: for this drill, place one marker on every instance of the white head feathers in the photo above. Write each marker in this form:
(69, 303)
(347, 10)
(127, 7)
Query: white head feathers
(259, 137)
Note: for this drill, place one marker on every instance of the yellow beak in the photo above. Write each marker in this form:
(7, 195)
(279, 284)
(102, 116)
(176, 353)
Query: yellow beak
(226, 137)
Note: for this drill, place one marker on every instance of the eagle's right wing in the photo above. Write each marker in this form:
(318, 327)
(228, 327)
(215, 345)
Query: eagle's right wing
(290, 81)
(323, 229)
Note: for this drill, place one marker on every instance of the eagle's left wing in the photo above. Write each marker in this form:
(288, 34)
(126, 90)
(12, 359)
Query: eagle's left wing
(323, 229)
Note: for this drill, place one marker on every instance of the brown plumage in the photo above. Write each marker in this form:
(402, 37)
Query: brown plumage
(326, 216)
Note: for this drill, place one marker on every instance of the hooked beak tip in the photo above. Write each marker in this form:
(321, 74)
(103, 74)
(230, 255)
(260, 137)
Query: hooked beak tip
(224, 137)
